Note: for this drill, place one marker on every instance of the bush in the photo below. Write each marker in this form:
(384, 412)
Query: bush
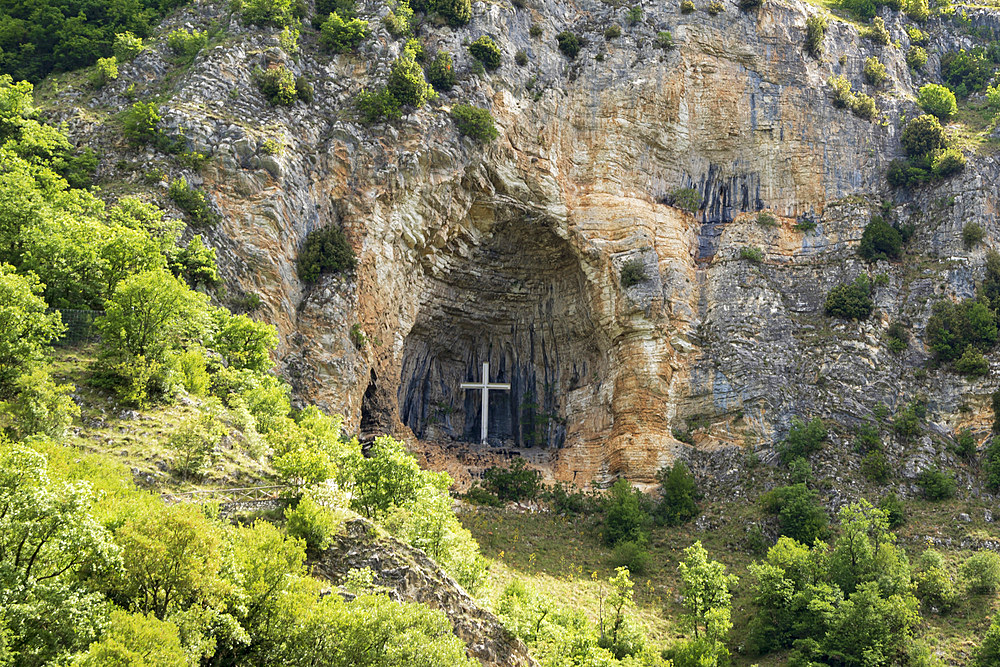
(851, 301)
(278, 13)
(40, 406)
(105, 72)
(474, 122)
(923, 135)
(535, 30)
(196, 263)
(862, 9)
(932, 584)
(632, 273)
(988, 653)
(897, 337)
(513, 484)
(715, 7)
(936, 484)
(613, 31)
(981, 572)
(803, 439)
(569, 44)
(634, 15)
(877, 32)
(765, 219)
(342, 36)
(916, 57)
(632, 555)
(966, 71)
(664, 40)
(566, 499)
(678, 503)
(140, 124)
(751, 5)
(843, 98)
(687, 6)
(277, 84)
(312, 523)
(815, 32)
(875, 467)
(937, 101)
(686, 199)
(193, 203)
(187, 44)
(875, 71)
(626, 514)
(377, 105)
(326, 250)
(398, 20)
(521, 58)
(407, 84)
(194, 443)
(953, 327)
(455, 12)
(800, 514)
(947, 162)
(918, 10)
(972, 362)
(906, 424)
(864, 106)
(972, 235)
(440, 73)
(965, 445)
(880, 240)
(127, 46)
(486, 51)
(25, 327)
(894, 509)
(752, 254)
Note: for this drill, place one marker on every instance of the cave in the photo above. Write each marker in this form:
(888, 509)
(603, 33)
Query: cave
(519, 301)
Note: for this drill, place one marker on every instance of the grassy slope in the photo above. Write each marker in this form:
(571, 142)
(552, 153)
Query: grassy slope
(559, 555)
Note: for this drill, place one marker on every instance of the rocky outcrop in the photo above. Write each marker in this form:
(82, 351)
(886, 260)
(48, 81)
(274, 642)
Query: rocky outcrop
(511, 253)
(411, 576)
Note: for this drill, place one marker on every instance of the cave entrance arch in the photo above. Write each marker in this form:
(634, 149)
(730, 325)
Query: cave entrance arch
(519, 301)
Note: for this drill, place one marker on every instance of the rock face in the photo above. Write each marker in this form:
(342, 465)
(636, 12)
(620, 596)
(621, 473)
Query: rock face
(411, 576)
(511, 253)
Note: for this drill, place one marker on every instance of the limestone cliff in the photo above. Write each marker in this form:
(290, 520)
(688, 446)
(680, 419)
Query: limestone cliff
(511, 253)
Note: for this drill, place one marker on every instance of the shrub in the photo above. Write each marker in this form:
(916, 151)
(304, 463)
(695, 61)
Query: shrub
(932, 584)
(875, 71)
(800, 514)
(474, 122)
(678, 503)
(843, 98)
(566, 499)
(326, 250)
(862, 9)
(918, 10)
(535, 30)
(687, 6)
(105, 72)
(972, 362)
(194, 371)
(916, 57)
(803, 439)
(193, 203)
(952, 327)
(613, 31)
(632, 273)
(815, 31)
(377, 105)
(875, 467)
(521, 58)
(455, 12)
(880, 240)
(187, 44)
(877, 32)
(686, 199)
(569, 44)
(398, 20)
(947, 162)
(752, 254)
(278, 13)
(765, 219)
(906, 424)
(972, 235)
(664, 40)
(634, 15)
(751, 5)
(40, 406)
(626, 514)
(936, 484)
(342, 36)
(864, 106)
(194, 443)
(988, 653)
(993, 96)
(513, 484)
(937, 101)
(25, 326)
(486, 51)
(313, 523)
(966, 71)
(965, 445)
(800, 471)
(916, 35)
(140, 124)
(196, 263)
(897, 337)
(277, 84)
(923, 135)
(632, 555)
(407, 84)
(303, 89)
(127, 46)
(981, 572)
(894, 509)
(440, 72)
(851, 301)
(288, 39)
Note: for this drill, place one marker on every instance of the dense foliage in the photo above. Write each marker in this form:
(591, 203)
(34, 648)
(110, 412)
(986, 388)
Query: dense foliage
(850, 301)
(326, 250)
(474, 122)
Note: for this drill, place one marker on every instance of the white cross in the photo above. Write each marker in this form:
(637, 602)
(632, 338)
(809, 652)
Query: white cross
(485, 385)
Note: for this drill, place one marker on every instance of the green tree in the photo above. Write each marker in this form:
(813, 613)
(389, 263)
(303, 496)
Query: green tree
(851, 300)
(988, 653)
(486, 51)
(407, 83)
(981, 572)
(388, 476)
(40, 406)
(25, 327)
(705, 587)
(880, 240)
(245, 343)
(277, 13)
(474, 122)
(440, 72)
(136, 639)
(618, 634)
(149, 313)
(938, 101)
(923, 135)
(815, 32)
(196, 263)
(800, 514)
(626, 514)
(194, 443)
(342, 36)
(140, 124)
(872, 629)
(569, 44)
(326, 250)
(866, 551)
(678, 502)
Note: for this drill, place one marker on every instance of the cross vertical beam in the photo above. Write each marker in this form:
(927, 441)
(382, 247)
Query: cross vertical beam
(485, 386)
